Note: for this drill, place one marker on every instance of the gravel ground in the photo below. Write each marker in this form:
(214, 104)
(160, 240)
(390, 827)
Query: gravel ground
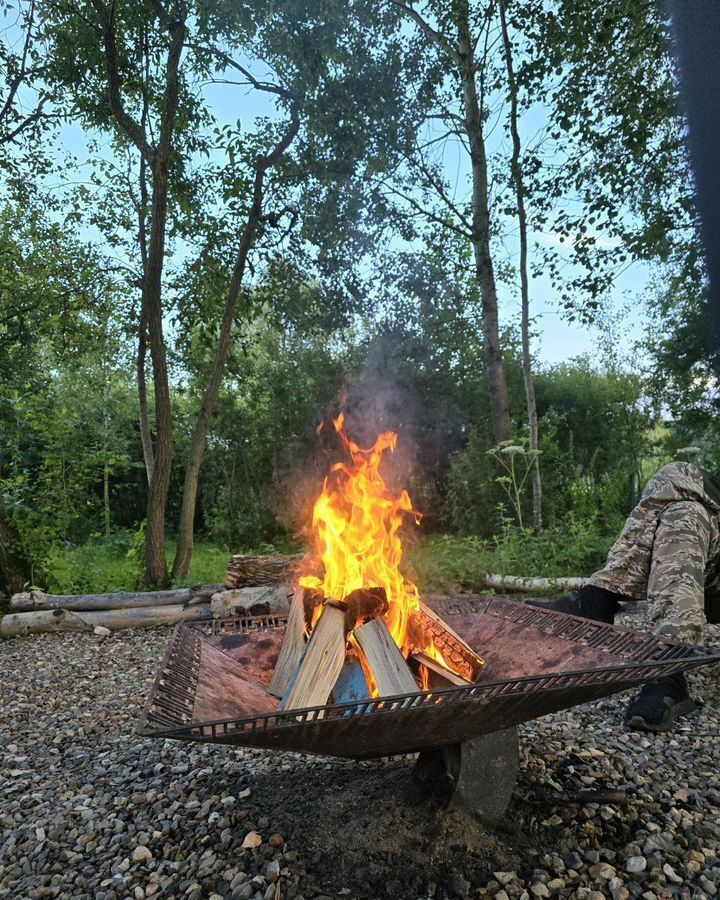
(87, 809)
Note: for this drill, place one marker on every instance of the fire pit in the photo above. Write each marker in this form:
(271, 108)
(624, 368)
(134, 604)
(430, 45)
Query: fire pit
(362, 667)
(213, 684)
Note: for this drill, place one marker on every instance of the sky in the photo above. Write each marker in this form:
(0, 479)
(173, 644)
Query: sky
(556, 339)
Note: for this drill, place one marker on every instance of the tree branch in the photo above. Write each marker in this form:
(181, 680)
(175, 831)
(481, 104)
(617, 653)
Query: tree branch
(428, 214)
(266, 86)
(131, 128)
(435, 36)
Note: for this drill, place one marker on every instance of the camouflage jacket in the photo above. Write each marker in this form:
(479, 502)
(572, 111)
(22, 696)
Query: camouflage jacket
(628, 566)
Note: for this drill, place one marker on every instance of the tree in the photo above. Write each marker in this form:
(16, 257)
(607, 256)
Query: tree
(615, 144)
(516, 173)
(24, 97)
(454, 38)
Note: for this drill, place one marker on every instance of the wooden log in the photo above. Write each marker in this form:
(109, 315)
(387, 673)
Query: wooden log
(321, 663)
(387, 664)
(247, 571)
(434, 666)
(260, 600)
(29, 600)
(56, 620)
(293, 645)
(468, 660)
(519, 583)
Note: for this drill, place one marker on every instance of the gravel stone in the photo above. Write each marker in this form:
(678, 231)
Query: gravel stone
(89, 809)
(636, 864)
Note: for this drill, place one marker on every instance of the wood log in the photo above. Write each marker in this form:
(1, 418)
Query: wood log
(293, 645)
(55, 620)
(452, 678)
(260, 600)
(321, 663)
(468, 663)
(520, 583)
(248, 571)
(89, 602)
(387, 664)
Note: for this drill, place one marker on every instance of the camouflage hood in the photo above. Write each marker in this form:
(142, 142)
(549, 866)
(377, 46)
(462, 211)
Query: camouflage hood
(684, 481)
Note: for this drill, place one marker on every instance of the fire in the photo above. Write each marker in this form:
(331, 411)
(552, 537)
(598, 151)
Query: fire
(356, 533)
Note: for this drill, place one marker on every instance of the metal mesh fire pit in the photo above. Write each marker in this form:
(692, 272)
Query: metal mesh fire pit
(211, 685)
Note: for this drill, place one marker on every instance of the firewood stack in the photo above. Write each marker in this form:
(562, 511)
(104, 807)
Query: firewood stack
(342, 651)
(244, 571)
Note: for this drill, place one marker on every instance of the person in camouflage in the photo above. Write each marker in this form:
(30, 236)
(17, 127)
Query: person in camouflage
(668, 554)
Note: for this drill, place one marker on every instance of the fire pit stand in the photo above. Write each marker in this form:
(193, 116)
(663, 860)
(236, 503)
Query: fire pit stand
(477, 776)
(212, 687)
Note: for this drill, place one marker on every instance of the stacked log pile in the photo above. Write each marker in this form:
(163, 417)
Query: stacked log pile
(259, 592)
(247, 571)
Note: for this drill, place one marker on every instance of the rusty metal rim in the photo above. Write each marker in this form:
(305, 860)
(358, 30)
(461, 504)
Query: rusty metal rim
(428, 699)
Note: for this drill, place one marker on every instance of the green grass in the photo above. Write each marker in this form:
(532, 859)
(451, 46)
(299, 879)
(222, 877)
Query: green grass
(439, 563)
(103, 565)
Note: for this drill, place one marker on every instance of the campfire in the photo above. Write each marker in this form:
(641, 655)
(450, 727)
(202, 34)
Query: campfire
(357, 628)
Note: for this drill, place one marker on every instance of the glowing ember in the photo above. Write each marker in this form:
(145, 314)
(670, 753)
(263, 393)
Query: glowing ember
(355, 528)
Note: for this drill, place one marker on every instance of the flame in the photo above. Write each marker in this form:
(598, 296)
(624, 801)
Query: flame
(434, 653)
(355, 528)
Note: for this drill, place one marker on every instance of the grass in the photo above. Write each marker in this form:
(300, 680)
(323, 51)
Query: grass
(107, 565)
(438, 563)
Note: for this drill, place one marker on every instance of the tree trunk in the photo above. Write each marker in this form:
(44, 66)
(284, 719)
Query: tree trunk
(55, 620)
(157, 159)
(520, 583)
(143, 414)
(497, 383)
(516, 171)
(186, 528)
(14, 569)
(31, 600)
(156, 573)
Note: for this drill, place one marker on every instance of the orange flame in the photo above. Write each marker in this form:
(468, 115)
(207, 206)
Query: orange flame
(356, 523)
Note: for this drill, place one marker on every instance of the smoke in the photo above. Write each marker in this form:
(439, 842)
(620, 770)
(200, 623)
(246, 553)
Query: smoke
(385, 394)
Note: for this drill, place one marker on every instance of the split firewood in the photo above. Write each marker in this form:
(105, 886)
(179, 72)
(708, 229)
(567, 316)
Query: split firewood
(463, 659)
(438, 669)
(364, 604)
(312, 599)
(247, 571)
(389, 669)
(28, 600)
(56, 620)
(293, 645)
(321, 663)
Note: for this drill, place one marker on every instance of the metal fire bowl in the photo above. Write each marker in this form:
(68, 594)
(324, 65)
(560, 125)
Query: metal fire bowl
(211, 685)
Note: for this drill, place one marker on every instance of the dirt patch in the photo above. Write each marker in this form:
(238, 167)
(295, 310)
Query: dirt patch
(369, 829)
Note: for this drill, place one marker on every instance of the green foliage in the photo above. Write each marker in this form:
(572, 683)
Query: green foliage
(515, 462)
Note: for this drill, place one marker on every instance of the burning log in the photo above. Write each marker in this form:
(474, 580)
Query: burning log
(321, 663)
(293, 645)
(389, 670)
(432, 665)
(367, 602)
(467, 663)
(249, 571)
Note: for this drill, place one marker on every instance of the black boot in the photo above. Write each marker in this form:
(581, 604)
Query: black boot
(659, 703)
(589, 603)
